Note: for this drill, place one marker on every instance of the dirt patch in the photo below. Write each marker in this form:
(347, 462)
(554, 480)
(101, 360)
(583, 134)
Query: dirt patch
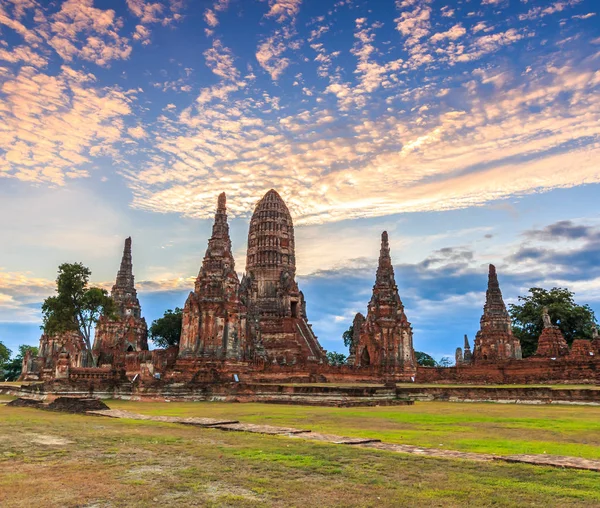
(24, 402)
(46, 439)
(217, 490)
(77, 404)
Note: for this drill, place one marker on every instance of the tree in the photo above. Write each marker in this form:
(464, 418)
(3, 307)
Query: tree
(11, 369)
(424, 360)
(445, 362)
(574, 321)
(76, 307)
(166, 331)
(4, 361)
(4, 354)
(336, 359)
(348, 335)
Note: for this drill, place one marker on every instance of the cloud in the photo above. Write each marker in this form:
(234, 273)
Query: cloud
(283, 10)
(492, 144)
(148, 12)
(565, 229)
(211, 18)
(79, 30)
(20, 295)
(52, 126)
(269, 54)
(453, 33)
(220, 60)
(540, 12)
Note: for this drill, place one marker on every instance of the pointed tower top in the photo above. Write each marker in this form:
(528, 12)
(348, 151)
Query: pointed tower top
(218, 260)
(495, 314)
(125, 278)
(385, 270)
(123, 292)
(493, 277)
(466, 345)
(220, 226)
(222, 202)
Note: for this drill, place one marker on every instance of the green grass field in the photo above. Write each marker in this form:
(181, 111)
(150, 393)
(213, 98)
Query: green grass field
(503, 429)
(55, 459)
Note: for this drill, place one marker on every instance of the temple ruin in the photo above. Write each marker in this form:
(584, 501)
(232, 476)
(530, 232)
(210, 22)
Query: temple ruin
(494, 340)
(257, 331)
(127, 330)
(385, 337)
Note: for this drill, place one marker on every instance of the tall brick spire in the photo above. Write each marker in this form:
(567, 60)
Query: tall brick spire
(385, 336)
(494, 311)
(218, 262)
(123, 292)
(212, 322)
(494, 340)
(127, 331)
(385, 269)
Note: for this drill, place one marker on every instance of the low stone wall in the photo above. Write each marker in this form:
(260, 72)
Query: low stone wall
(528, 371)
(528, 395)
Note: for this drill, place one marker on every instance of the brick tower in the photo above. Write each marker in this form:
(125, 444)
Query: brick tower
(213, 318)
(495, 340)
(385, 337)
(276, 307)
(127, 330)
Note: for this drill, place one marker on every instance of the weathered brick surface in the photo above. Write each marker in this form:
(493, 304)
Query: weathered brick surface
(494, 340)
(384, 338)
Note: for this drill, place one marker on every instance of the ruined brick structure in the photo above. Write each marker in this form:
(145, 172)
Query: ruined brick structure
(257, 330)
(385, 337)
(276, 308)
(126, 331)
(552, 343)
(43, 366)
(464, 357)
(357, 324)
(494, 340)
(214, 321)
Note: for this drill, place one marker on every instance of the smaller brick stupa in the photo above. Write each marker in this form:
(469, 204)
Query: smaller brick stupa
(595, 341)
(127, 330)
(467, 355)
(213, 319)
(551, 343)
(495, 340)
(581, 349)
(385, 339)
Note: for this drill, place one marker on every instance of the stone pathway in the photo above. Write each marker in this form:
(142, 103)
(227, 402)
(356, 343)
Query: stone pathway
(200, 422)
(260, 429)
(234, 425)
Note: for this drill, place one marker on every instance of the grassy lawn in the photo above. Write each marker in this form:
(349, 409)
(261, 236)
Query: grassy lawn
(503, 429)
(54, 459)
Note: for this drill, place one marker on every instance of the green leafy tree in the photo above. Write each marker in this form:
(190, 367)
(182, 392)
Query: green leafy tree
(166, 331)
(76, 306)
(4, 361)
(4, 354)
(445, 362)
(424, 360)
(11, 369)
(574, 321)
(347, 336)
(336, 358)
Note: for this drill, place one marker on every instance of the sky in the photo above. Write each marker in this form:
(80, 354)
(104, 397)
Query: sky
(468, 129)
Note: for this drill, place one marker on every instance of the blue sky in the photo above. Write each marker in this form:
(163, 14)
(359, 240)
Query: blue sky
(469, 130)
